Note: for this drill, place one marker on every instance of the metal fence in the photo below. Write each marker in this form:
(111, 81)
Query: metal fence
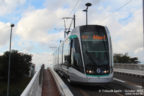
(139, 67)
(34, 88)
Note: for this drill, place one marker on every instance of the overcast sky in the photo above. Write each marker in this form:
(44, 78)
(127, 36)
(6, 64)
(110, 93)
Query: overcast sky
(39, 24)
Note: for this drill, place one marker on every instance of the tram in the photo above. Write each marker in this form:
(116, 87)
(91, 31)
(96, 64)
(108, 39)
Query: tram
(85, 56)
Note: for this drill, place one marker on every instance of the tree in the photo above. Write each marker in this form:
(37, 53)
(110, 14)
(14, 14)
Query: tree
(20, 65)
(124, 58)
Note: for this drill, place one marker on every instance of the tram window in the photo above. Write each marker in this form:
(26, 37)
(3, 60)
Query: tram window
(60, 54)
(66, 51)
(56, 57)
(76, 60)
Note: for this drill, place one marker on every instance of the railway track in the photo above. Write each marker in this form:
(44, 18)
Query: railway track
(114, 88)
(138, 80)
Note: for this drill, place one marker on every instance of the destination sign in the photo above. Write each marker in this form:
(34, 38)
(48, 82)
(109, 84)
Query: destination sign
(94, 37)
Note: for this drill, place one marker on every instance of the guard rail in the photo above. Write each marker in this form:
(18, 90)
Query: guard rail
(129, 66)
(34, 88)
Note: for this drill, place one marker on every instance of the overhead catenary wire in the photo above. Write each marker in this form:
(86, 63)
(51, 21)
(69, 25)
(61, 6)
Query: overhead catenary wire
(122, 6)
(72, 10)
(125, 4)
(72, 18)
(75, 6)
(70, 25)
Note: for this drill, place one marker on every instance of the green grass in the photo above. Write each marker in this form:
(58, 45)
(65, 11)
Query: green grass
(16, 88)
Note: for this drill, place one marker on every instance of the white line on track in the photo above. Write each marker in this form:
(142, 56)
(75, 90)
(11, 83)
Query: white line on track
(132, 85)
(119, 80)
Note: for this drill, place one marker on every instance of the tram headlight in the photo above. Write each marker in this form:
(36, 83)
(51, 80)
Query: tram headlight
(106, 71)
(90, 71)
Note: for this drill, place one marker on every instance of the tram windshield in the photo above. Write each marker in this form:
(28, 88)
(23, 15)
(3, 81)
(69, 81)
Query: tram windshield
(95, 47)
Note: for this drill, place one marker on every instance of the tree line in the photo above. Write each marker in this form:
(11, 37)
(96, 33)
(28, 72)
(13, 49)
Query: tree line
(20, 65)
(124, 58)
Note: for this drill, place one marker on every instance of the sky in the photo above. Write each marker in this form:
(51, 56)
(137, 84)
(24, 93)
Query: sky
(39, 25)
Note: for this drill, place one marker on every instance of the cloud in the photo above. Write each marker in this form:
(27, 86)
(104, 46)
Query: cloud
(125, 37)
(36, 25)
(131, 36)
(7, 6)
(4, 33)
(42, 58)
(36, 32)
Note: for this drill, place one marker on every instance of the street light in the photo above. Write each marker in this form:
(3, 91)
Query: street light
(86, 10)
(143, 22)
(9, 63)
